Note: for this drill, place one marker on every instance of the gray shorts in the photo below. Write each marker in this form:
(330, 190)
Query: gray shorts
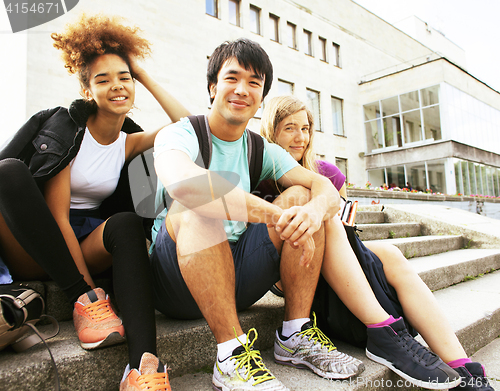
(256, 264)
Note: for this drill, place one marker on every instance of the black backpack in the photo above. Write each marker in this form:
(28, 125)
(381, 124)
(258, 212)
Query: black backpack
(143, 179)
(255, 147)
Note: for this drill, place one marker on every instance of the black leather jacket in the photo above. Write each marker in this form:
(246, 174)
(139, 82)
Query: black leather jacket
(51, 138)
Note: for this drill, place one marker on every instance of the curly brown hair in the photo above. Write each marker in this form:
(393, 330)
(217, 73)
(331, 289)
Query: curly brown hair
(91, 36)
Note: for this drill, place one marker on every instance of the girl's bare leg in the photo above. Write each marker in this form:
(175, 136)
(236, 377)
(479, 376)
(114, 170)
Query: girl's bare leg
(419, 304)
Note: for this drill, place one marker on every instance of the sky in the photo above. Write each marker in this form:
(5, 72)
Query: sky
(472, 25)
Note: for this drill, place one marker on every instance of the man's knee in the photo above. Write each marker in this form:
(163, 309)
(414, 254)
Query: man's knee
(181, 217)
(293, 196)
(193, 232)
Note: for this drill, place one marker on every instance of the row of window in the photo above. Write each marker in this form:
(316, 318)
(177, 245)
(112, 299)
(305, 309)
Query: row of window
(313, 101)
(403, 120)
(474, 178)
(286, 34)
(470, 178)
(418, 176)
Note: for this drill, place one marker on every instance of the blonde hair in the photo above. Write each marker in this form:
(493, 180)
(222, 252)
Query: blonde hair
(276, 110)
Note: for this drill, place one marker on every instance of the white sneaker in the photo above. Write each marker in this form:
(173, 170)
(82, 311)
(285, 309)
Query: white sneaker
(312, 349)
(244, 370)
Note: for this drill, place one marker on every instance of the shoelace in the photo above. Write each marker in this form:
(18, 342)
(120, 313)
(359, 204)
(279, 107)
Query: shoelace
(154, 381)
(251, 361)
(99, 310)
(417, 349)
(317, 335)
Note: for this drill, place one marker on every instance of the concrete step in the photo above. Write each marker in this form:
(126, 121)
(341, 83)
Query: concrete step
(442, 270)
(485, 315)
(186, 346)
(388, 230)
(426, 245)
(473, 309)
(369, 217)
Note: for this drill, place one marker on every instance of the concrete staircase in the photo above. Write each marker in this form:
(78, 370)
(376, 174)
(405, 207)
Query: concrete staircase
(461, 274)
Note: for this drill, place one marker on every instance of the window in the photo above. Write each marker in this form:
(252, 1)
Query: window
(211, 8)
(274, 28)
(416, 175)
(412, 127)
(291, 40)
(254, 19)
(342, 166)
(234, 12)
(308, 43)
(390, 106)
(322, 49)
(377, 177)
(338, 126)
(335, 54)
(432, 123)
(430, 96)
(284, 87)
(313, 103)
(410, 101)
(396, 176)
(436, 176)
(392, 131)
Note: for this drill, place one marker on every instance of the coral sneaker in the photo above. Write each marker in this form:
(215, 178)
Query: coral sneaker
(95, 321)
(150, 376)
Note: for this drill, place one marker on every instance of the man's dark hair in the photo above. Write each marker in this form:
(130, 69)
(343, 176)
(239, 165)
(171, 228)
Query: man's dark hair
(250, 56)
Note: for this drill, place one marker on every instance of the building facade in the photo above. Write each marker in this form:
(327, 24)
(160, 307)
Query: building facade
(387, 108)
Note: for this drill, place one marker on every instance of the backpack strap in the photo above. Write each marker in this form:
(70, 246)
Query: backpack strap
(202, 130)
(255, 157)
(255, 148)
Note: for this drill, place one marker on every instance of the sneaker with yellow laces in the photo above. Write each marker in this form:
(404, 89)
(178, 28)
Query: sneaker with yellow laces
(310, 348)
(244, 370)
(150, 376)
(95, 321)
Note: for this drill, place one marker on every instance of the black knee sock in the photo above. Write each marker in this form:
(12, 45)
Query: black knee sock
(29, 219)
(124, 239)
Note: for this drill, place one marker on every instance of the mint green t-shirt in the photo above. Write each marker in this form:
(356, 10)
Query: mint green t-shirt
(226, 156)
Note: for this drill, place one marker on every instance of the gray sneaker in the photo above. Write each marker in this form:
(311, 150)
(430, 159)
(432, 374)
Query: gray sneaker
(244, 370)
(312, 349)
(395, 348)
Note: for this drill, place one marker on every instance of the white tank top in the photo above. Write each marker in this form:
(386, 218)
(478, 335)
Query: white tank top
(95, 171)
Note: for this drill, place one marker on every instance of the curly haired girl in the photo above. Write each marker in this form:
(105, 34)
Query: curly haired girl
(61, 170)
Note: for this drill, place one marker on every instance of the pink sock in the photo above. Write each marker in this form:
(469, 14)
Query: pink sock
(386, 322)
(458, 363)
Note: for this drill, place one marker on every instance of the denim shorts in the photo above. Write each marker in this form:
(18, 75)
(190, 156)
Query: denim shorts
(256, 264)
(84, 222)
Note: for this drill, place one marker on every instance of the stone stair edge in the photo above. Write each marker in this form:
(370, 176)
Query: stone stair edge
(445, 274)
(116, 356)
(433, 226)
(388, 230)
(201, 326)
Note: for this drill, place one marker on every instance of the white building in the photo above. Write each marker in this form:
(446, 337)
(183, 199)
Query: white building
(388, 108)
